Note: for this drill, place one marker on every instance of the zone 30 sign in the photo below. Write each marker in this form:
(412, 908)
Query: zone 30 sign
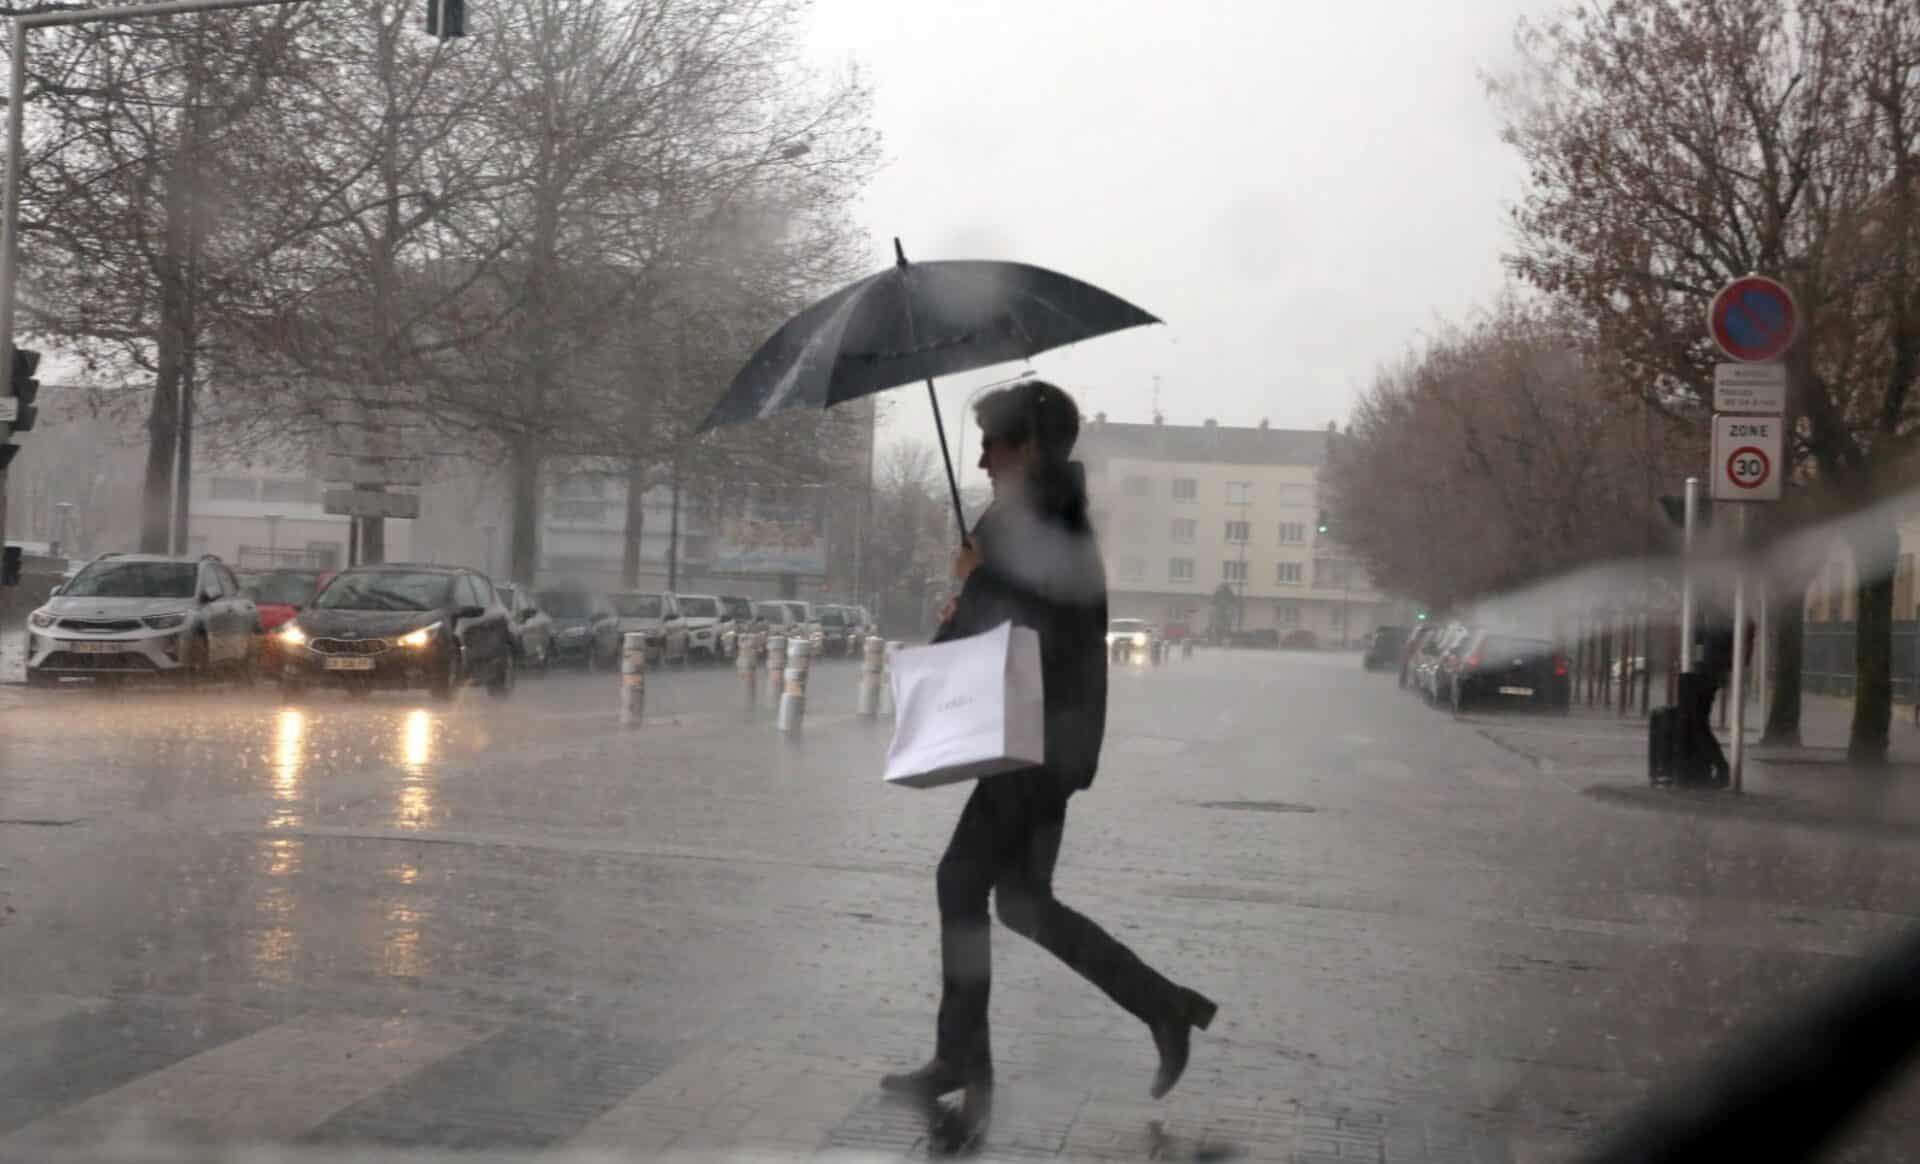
(1746, 458)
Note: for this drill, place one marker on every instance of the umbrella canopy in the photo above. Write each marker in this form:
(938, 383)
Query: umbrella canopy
(912, 322)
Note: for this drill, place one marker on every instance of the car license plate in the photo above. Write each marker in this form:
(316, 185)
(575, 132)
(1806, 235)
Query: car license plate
(98, 648)
(1516, 691)
(349, 664)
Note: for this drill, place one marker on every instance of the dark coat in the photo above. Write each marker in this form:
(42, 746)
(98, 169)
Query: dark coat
(1040, 568)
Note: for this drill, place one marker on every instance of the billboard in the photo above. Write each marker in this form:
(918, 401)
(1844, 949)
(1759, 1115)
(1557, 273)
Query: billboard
(765, 545)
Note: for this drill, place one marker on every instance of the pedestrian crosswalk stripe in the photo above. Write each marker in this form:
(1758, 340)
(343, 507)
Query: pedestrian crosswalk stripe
(724, 1097)
(265, 1087)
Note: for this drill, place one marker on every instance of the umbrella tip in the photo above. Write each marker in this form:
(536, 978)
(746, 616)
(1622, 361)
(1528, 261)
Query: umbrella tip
(899, 252)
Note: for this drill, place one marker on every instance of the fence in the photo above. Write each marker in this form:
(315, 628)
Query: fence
(1827, 668)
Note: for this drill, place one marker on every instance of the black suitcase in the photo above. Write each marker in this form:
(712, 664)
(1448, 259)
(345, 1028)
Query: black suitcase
(1663, 745)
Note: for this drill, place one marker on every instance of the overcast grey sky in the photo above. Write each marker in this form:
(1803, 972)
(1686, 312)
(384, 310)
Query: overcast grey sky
(1297, 189)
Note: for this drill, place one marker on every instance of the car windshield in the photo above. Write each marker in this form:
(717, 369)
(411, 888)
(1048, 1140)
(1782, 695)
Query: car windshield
(135, 580)
(386, 590)
(831, 616)
(508, 595)
(282, 587)
(738, 609)
(773, 612)
(638, 605)
(694, 606)
(567, 603)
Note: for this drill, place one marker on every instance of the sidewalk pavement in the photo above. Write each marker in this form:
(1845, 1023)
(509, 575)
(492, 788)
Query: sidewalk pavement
(1811, 785)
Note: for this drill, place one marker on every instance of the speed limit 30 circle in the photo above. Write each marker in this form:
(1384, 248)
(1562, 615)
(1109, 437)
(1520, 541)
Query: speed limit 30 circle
(1748, 467)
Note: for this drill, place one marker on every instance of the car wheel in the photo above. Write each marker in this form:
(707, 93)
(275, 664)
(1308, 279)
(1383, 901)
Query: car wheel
(503, 677)
(196, 665)
(441, 686)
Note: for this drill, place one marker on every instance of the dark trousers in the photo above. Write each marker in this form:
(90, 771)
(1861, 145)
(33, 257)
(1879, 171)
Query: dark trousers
(1006, 844)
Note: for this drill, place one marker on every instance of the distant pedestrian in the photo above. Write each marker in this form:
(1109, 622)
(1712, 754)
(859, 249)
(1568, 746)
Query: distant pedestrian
(1033, 560)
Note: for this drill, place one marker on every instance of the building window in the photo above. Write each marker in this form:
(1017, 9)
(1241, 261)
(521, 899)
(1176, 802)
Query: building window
(1287, 574)
(1180, 569)
(570, 510)
(1236, 531)
(1296, 495)
(1332, 574)
(1185, 489)
(1293, 533)
(285, 489)
(1239, 492)
(1133, 568)
(1286, 614)
(1184, 529)
(1136, 486)
(1337, 617)
(234, 489)
(1233, 571)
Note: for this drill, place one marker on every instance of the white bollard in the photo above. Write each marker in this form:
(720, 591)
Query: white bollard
(633, 678)
(886, 678)
(793, 701)
(873, 656)
(776, 663)
(743, 667)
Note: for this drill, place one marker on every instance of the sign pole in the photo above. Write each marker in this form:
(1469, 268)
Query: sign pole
(1737, 690)
(1686, 574)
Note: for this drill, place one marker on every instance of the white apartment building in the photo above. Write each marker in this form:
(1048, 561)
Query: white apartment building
(1182, 509)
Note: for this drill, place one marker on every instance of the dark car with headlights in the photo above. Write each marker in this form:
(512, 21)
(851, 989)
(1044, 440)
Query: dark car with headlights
(398, 626)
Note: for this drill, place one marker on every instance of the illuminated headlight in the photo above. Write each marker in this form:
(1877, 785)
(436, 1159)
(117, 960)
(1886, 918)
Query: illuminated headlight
(41, 619)
(166, 621)
(293, 636)
(421, 637)
(1139, 640)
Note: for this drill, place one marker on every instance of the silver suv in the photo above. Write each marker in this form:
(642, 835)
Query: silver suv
(143, 614)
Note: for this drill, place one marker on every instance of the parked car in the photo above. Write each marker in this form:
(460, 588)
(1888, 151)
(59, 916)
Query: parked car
(1437, 672)
(740, 618)
(1411, 649)
(127, 615)
(838, 629)
(586, 630)
(656, 616)
(865, 625)
(400, 626)
(532, 626)
(703, 618)
(277, 594)
(1383, 648)
(1259, 638)
(804, 622)
(1300, 639)
(1129, 640)
(1493, 667)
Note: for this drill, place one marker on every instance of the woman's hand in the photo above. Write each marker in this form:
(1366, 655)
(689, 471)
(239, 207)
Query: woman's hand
(965, 561)
(946, 611)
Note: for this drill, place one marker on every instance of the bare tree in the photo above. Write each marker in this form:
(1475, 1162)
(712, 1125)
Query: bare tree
(1676, 144)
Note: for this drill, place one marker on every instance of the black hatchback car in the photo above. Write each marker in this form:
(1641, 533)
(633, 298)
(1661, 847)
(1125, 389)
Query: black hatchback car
(1494, 667)
(437, 627)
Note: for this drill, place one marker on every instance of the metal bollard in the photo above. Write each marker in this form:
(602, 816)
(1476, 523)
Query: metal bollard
(793, 702)
(873, 656)
(743, 667)
(776, 663)
(633, 678)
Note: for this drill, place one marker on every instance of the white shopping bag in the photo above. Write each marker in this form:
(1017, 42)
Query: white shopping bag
(967, 708)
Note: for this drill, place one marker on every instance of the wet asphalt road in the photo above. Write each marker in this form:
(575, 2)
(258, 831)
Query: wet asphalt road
(515, 924)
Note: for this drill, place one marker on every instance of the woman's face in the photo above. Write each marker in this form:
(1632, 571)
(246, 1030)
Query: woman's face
(1004, 461)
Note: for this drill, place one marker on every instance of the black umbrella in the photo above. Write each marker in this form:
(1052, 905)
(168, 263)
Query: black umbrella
(915, 321)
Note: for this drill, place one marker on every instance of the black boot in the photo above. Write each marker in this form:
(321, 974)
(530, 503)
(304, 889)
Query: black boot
(934, 1080)
(1173, 1036)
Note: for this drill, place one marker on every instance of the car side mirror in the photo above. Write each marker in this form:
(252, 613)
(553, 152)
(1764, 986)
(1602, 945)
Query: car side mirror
(206, 597)
(58, 589)
(470, 612)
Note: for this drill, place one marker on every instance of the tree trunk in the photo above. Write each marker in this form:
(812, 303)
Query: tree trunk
(175, 332)
(1789, 605)
(673, 536)
(1875, 547)
(635, 525)
(523, 463)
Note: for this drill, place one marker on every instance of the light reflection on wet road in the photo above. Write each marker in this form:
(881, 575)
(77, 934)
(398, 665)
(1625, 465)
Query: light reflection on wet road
(690, 921)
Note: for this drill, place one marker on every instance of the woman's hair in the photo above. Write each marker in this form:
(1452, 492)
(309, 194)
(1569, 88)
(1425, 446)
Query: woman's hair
(1032, 410)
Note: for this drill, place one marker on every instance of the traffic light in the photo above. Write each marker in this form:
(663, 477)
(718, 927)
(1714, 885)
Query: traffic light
(446, 19)
(26, 389)
(1419, 616)
(1323, 521)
